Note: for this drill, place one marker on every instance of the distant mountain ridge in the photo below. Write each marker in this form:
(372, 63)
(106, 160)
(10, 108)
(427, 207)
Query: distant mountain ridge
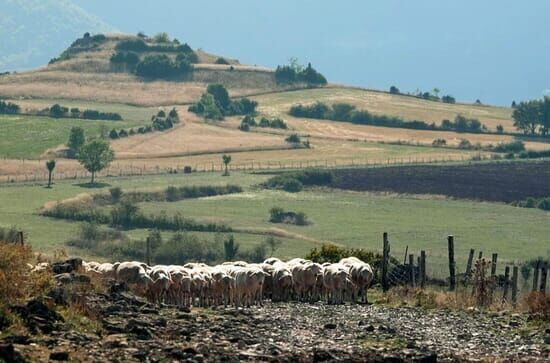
(33, 31)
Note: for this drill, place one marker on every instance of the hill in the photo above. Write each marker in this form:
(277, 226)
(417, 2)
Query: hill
(35, 30)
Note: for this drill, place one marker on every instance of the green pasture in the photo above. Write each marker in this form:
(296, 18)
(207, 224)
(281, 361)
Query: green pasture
(345, 218)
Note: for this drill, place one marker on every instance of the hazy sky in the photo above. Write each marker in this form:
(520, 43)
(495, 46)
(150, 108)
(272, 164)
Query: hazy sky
(494, 50)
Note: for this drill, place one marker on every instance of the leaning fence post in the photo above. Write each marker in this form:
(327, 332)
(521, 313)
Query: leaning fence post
(469, 265)
(452, 276)
(536, 276)
(422, 269)
(543, 275)
(411, 269)
(506, 283)
(385, 256)
(515, 285)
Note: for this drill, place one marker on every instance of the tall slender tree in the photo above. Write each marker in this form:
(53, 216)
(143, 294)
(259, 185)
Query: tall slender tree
(226, 160)
(50, 165)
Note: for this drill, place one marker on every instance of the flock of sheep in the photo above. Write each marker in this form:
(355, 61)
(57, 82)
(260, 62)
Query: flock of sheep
(243, 284)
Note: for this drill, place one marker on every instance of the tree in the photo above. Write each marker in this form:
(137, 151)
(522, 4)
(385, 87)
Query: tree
(526, 116)
(220, 95)
(58, 111)
(545, 116)
(95, 156)
(230, 248)
(226, 160)
(210, 109)
(76, 139)
(50, 165)
(394, 90)
(436, 92)
(273, 244)
(162, 38)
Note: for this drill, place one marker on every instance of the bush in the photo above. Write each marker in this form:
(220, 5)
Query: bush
(513, 147)
(116, 194)
(465, 145)
(544, 204)
(187, 169)
(439, 143)
(221, 61)
(113, 134)
(58, 111)
(123, 133)
(448, 99)
(292, 185)
(293, 139)
(8, 108)
(500, 129)
(161, 66)
(306, 177)
(394, 90)
(333, 254)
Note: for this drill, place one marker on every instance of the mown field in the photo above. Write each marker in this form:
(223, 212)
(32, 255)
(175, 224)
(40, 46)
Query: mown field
(346, 218)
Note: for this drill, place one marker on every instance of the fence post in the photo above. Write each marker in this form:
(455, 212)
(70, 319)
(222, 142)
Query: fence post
(536, 276)
(422, 269)
(480, 256)
(385, 254)
(148, 251)
(494, 264)
(543, 276)
(515, 285)
(411, 269)
(469, 265)
(21, 238)
(506, 283)
(452, 276)
(406, 252)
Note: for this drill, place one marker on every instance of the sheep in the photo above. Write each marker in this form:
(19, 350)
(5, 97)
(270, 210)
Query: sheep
(336, 281)
(305, 278)
(361, 275)
(282, 283)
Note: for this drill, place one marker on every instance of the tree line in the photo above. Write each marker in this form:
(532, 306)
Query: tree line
(427, 95)
(344, 112)
(59, 111)
(159, 122)
(533, 117)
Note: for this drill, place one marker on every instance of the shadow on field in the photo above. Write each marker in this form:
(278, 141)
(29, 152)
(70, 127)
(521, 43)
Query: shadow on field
(93, 185)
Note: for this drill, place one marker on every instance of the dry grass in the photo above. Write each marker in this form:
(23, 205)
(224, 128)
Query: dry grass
(16, 282)
(193, 137)
(377, 102)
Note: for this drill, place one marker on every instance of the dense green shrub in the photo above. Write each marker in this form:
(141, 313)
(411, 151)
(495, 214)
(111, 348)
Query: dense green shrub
(513, 146)
(293, 139)
(279, 215)
(305, 177)
(9, 108)
(161, 66)
(333, 254)
(448, 99)
(113, 134)
(394, 90)
(58, 111)
(439, 143)
(292, 185)
(215, 104)
(183, 248)
(544, 204)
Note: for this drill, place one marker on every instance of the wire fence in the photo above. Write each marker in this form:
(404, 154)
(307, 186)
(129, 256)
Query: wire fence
(38, 171)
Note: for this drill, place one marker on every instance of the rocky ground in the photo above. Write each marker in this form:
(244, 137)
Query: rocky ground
(131, 329)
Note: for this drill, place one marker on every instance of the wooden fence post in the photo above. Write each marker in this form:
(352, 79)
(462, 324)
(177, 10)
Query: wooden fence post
(494, 264)
(21, 238)
(543, 276)
(452, 276)
(480, 256)
(148, 251)
(506, 283)
(406, 252)
(385, 255)
(515, 285)
(422, 269)
(469, 265)
(536, 277)
(411, 270)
